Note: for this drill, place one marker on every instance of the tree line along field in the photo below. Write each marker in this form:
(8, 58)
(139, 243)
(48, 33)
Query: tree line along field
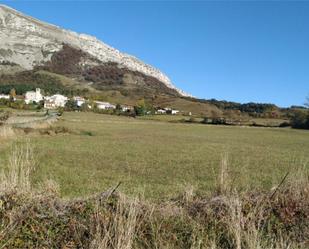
(158, 159)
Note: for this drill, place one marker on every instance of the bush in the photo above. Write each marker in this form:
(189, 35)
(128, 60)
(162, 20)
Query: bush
(87, 133)
(60, 111)
(85, 107)
(38, 218)
(71, 105)
(205, 120)
(218, 121)
(300, 119)
(41, 219)
(4, 116)
(285, 124)
(191, 120)
(143, 108)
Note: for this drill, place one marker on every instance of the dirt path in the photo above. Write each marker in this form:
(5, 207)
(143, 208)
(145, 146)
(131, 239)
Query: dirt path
(31, 120)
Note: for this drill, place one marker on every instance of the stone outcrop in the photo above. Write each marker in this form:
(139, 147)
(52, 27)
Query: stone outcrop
(29, 42)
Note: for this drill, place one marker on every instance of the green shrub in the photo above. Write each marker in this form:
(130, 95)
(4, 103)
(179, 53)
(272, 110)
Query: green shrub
(205, 120)
(87, 133)
(71, 105)
(285, 124)
(60, 111)
(300, 119)
(218, 121)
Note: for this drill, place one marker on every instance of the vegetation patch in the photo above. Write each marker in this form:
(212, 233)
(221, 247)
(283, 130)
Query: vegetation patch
(29, 80)
(4, 115)
(39, 218)
(51, 130)
(87, 133)
(300, 119)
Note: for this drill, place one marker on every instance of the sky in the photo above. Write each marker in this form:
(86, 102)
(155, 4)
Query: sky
(243, 51)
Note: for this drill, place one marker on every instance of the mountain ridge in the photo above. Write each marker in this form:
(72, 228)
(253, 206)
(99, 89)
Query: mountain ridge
(34, 42)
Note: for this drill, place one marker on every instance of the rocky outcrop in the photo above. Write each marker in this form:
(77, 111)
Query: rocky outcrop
(29, 42)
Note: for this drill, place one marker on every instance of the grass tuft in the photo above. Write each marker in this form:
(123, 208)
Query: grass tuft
(6, 132)
(87, 133)
(17, 175)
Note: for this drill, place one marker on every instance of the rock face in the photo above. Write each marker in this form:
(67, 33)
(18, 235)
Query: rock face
(29, 42)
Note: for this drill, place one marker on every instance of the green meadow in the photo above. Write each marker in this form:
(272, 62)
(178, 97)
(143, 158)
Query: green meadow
(157, 158)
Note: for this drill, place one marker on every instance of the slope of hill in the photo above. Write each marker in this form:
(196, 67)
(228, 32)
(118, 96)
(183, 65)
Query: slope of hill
(29, 42)
(37, 54)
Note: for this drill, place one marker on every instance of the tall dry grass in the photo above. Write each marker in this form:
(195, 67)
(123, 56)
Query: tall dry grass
(224, 180)
(17, 175)
(6, 132)
(119, 231)
(227, 219)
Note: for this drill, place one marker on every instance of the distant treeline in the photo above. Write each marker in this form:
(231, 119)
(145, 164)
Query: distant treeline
(300, 119)
(247, 107)
(29, 80)
(7, 63)
(299, 115)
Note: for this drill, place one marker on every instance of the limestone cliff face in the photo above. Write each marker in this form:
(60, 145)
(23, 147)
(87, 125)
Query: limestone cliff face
(29, 42)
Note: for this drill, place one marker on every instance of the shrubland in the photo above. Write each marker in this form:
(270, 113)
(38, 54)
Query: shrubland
(300, 119)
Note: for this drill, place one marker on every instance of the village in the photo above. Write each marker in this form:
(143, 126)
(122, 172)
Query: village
(58, 101)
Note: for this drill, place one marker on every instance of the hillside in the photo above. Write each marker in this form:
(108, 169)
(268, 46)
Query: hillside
(36, 54)
(29, 42)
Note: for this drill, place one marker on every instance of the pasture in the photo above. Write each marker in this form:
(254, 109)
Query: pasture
(159, 159)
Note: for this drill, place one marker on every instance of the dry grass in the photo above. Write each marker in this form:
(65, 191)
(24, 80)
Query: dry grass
(224, 218)
(101, 150)
(39, 218)
(223, 183)
(17, 175)
(6, 132)
(118, 232)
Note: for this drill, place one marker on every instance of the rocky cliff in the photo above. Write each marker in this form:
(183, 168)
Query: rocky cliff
(29, 43)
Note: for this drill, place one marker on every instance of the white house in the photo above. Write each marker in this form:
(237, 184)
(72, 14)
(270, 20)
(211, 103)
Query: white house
(55, 101)
(104, 105)
(174, 112)
(79, 100)
(171, 111)
(167, 110)
(161, 111)
(4, 96)
(126, 108)
(33, 96)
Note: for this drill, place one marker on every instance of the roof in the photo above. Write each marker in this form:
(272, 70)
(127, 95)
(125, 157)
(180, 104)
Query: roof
(56, 96)
(102, 103)
(78, 98)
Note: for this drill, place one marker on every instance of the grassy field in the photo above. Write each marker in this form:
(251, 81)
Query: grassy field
(159, 158)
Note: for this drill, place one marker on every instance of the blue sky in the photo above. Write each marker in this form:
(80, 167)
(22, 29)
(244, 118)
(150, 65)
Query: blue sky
(233, 50)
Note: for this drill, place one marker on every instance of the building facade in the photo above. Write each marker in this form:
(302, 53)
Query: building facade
(55, 101)
(105, 105)
(34, 96)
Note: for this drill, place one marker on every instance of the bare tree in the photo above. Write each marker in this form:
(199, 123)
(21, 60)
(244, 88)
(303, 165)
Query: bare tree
(307, 101)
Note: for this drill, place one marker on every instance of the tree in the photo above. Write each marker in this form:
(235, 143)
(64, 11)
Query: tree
(143, 107)
(307, 102)
(140, 108)
(71, 105)
(300, 119)
(40, 105)
(214, 114)
(118, 107)
(13, 93)
(85, 107)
